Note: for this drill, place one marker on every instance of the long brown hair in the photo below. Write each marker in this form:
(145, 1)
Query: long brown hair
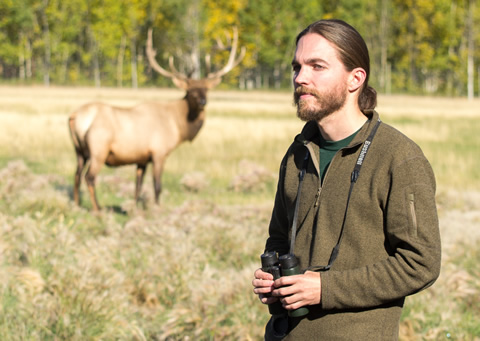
(352, 50)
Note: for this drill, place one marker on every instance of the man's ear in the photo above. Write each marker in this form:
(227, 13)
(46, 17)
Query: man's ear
(356, 79)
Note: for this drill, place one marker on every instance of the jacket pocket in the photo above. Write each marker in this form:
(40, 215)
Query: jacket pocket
(413, 215)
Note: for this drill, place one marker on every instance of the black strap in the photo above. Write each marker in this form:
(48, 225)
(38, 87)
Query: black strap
(301, 175)
(353, 180)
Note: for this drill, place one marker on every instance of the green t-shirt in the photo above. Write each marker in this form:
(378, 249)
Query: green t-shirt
(328, 149)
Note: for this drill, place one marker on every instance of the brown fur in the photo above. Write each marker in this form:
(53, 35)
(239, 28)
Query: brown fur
(149, 132)
(103, 134)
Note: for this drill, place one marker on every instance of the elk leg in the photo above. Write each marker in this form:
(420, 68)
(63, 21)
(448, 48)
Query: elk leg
(140, 175)
(92, 172)
(78, 178)
(157, 178)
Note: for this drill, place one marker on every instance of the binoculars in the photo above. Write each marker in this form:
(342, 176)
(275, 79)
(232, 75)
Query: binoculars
(286, 265)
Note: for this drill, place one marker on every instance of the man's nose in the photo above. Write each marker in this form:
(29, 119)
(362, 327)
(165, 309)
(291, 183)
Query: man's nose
(301, 76)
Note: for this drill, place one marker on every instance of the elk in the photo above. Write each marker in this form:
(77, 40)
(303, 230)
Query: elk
(148, 132)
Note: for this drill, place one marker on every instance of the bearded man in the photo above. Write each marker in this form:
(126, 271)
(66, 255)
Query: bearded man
(355, 203)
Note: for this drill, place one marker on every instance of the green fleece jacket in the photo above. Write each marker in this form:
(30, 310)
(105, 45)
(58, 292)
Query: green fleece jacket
(391, 242)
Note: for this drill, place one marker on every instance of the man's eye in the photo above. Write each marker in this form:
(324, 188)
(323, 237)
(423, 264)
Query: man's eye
(318, 67)
(296, 68)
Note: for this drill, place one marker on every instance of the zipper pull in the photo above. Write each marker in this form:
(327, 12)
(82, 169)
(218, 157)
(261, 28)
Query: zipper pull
(317, 197)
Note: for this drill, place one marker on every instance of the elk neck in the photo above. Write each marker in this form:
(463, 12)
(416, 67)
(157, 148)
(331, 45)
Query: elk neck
(192, 121)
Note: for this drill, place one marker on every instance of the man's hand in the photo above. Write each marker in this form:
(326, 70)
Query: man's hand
(298, 290)
(263, 286)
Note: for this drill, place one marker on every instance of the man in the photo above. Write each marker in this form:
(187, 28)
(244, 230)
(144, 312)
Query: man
(381, 218)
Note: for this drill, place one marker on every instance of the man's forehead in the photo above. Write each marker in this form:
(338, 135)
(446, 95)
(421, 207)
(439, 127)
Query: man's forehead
(314, 47)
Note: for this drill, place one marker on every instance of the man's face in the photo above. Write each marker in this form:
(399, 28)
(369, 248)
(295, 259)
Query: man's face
(319, 78)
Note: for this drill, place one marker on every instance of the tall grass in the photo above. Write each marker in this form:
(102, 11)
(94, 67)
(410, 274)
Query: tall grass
(182, 271)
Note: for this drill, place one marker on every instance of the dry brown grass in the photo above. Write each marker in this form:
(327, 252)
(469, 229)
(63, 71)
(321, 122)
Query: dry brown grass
(424, 106)
(183, 270)
(450, 309)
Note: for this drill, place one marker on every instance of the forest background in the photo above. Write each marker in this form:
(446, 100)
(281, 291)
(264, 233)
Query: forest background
(183, 270)
(417, 46)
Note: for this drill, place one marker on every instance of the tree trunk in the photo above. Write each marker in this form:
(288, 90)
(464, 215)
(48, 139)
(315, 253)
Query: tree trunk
(266, 80)
(134, 64)
(120, 58)
(413, 79)
(28, 59)
(388, 76)
(64, 70)
(470, 63)
(241, 82)
(276, 77)
(96, 68)
(192, 21)
(383, 46)
(46, 38)
(471, 75)
(21, 62)
(258, 78)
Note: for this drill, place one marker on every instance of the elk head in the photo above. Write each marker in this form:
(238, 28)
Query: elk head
(196, 88)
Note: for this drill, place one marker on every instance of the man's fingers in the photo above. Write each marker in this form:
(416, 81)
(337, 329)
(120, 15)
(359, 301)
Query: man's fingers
(284, 291)
(263, 288)
(267, 300)
(287, 280)
(260, 283)
(259, 274)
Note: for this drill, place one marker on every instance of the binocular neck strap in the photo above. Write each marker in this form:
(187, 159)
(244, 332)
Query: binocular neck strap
(354, 177)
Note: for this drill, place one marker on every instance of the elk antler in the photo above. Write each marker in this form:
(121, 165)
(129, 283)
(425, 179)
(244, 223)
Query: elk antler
(153, 62)
(232, 61)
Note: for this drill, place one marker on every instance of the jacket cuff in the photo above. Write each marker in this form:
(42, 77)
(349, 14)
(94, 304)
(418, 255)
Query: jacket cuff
(325, 284)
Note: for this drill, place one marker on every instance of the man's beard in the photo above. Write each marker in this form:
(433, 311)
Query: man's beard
(325, 104)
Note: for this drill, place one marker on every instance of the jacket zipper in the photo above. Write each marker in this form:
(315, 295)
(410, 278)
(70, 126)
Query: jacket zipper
(317, 165)
(317, 196)
(411, 200)
(315, 161)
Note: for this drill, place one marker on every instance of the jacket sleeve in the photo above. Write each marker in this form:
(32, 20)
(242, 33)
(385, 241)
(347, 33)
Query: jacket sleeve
(279, 226)
(412, 232)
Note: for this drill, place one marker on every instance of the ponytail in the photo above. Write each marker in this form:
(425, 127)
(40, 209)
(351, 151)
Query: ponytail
(368, 98)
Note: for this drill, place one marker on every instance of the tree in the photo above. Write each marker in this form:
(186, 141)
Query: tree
(471, 49)
(270, 28)
(421, 46)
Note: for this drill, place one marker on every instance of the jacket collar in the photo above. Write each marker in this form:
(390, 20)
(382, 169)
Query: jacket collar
(310, 131)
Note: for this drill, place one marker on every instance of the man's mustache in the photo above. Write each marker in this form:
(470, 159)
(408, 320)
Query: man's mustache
(302, 90)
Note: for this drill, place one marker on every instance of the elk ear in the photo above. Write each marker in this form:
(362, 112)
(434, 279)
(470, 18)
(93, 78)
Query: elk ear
(213, 82)
(180, 83)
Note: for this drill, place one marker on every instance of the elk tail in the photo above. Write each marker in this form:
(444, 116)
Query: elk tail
(73, 133)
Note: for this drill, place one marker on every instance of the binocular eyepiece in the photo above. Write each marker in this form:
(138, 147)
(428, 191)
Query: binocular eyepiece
(286, 265)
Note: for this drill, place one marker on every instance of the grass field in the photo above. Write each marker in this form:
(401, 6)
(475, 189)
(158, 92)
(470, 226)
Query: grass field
(183, 270)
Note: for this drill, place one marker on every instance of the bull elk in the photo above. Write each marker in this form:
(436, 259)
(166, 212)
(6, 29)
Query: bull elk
(148, 132)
